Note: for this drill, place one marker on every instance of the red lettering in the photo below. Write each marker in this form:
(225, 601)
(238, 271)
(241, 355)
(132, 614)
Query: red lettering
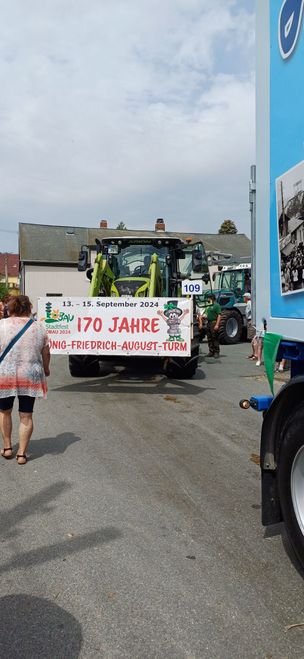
(124, 325)
(175, 345)
(155, 325)
(145, 324)
(97, 324)
(83, 324)
(54, 345)
(88, 323)
(134, 325)
(115, 321)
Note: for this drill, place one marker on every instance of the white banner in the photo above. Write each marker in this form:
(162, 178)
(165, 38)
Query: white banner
(117, 326)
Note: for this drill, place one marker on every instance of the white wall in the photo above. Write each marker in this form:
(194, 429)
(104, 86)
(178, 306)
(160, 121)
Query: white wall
(40, 281)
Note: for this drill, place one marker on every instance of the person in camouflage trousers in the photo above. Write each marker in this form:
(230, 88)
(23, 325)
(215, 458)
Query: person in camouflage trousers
(213, 315)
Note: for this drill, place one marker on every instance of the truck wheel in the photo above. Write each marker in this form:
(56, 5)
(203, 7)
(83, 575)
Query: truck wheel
(83, 366)
(184, 368)
(231, 327)
(291, 480)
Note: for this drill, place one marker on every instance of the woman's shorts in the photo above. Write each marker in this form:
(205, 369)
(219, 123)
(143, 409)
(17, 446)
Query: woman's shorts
(26, 404)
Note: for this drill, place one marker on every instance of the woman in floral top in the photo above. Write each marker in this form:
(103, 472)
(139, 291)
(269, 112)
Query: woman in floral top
(22, 373)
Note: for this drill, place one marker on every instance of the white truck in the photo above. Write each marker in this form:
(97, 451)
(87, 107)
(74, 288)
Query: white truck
(278, 262)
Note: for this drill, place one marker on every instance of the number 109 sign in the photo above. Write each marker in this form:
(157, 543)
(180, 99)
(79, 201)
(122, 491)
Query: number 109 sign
(192, 287)
(117, 326)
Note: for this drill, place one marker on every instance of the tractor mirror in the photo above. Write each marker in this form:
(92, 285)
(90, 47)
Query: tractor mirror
(206, 278)
(197, 260)
(213, 277)
(83, 260)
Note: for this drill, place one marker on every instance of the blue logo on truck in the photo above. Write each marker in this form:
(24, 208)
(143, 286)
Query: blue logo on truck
(289, 26)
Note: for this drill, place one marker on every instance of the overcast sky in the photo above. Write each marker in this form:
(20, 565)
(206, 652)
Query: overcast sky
(128, 110)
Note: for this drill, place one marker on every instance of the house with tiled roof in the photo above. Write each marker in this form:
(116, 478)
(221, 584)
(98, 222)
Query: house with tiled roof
(9, 271)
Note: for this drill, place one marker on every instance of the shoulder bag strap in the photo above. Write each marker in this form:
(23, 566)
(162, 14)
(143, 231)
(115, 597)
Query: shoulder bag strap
(15, 339)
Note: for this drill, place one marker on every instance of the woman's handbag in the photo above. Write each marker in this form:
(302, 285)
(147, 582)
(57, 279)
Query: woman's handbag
(15, 339)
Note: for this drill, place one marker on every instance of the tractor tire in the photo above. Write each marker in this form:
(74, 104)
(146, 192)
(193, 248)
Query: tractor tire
(291, 481)
(83, 366)
(231, 327)
(184, 368)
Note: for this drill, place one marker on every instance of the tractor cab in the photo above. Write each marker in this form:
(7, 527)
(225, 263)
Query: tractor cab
(229, 286)
(231, 283)
(143, 266)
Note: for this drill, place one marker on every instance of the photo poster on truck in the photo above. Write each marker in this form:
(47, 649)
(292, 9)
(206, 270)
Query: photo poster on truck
(286, 159)
(117, 326)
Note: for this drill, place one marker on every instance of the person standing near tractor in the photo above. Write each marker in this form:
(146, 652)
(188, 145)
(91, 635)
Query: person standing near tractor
(213, 315)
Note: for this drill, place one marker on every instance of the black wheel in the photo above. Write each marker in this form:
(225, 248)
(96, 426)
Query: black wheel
(184, 368)
(291, 480)
(231, 327)
(83, 366)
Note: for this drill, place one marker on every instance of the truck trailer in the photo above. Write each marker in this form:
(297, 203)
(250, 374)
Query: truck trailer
(278, 259)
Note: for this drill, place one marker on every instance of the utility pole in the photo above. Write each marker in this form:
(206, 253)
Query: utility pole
(252, 204)
(6, 268)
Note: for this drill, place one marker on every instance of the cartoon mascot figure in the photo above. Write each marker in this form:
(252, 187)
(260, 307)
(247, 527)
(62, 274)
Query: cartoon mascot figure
(173, 316)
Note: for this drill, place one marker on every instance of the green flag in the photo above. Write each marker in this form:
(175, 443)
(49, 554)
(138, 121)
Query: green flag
(271, 344)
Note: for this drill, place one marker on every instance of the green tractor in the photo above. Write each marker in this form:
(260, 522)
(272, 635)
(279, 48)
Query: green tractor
(229, 286)
(143, 267)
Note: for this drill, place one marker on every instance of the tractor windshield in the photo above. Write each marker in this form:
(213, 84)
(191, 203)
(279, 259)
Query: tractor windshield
(237, 281)
(134, 260)
(217, 281)
(227, 280)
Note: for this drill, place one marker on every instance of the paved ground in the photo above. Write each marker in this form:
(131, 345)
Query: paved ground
(134, 531)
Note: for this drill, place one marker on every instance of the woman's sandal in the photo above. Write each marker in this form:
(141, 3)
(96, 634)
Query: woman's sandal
(24, 457)
(3, 452)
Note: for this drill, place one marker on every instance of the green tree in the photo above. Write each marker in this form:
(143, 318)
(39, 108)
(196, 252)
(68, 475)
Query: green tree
(227, 226)
(3, 291)
(121, 226)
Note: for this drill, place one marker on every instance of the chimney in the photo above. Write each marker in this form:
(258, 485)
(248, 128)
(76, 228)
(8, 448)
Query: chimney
(103, 224)
(160, 225)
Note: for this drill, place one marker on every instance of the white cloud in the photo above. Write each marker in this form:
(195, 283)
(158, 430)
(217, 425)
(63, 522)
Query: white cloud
(113, 108)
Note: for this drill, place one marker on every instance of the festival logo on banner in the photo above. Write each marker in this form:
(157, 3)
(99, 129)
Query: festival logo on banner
(290, 20)
(55, 316)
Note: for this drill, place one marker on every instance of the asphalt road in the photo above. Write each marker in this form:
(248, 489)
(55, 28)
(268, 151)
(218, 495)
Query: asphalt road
(134, 530)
